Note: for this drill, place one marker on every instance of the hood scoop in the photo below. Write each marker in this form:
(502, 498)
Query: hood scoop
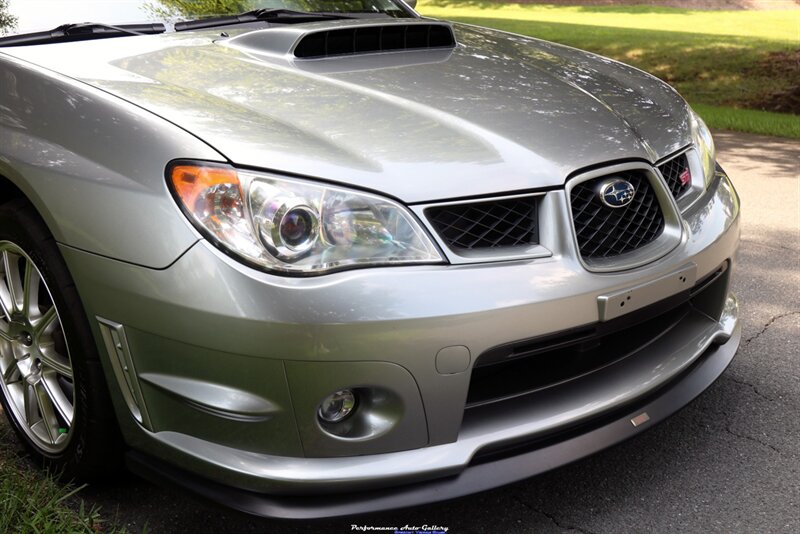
(373, 39)
(347, 38)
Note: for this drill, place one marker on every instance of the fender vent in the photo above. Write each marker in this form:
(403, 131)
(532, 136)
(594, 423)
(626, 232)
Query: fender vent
(371, 39)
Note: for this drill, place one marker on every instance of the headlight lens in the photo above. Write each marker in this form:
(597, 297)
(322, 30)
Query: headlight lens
(704, 143)
(298, 227)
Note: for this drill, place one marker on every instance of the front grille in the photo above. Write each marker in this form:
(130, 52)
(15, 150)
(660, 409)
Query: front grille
(677, 175)
(603, 231)
(494, 224)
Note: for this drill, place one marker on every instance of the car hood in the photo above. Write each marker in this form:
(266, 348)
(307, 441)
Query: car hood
(498, 113)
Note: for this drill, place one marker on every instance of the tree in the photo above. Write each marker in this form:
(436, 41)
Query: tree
(191, 9)
(173, 9)
(7, 20)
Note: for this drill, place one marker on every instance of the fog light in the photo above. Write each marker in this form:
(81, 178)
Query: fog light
(337, 406)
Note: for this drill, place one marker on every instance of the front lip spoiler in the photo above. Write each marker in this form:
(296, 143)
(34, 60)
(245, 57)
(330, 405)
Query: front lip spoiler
(475, 478)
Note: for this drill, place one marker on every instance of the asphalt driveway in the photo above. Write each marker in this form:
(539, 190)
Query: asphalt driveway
(729, 462)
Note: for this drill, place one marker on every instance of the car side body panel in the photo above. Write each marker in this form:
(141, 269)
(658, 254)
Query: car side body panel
(93, 165)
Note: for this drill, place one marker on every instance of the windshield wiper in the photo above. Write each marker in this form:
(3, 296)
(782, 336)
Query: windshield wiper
(274, 15)
(81, 32)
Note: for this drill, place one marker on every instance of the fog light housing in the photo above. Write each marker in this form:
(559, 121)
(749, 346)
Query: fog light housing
(337, 406)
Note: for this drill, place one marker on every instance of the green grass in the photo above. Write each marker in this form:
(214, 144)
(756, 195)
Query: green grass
(729, 64)
(31, 502)
(770, 25)
(750, 121)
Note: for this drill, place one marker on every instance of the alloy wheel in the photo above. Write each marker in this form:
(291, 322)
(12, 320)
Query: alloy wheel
(37, 375)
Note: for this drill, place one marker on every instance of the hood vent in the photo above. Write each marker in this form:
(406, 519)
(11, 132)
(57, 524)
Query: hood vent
(371, 39)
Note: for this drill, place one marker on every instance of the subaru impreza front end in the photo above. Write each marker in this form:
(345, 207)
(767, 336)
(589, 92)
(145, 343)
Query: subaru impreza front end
(370, 264)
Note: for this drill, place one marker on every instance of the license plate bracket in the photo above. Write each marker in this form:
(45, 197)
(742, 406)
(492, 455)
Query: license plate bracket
(618, 303)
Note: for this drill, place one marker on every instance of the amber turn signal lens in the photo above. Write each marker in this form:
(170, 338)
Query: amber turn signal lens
(192, 181)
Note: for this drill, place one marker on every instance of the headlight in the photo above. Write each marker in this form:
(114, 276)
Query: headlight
(704, 143)
(298, 227)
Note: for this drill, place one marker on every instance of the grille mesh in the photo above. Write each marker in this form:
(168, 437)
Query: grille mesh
(605, 232)
(494, 224)
(672, 171)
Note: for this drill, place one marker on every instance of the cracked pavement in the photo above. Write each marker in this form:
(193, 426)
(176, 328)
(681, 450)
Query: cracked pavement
(729, 462)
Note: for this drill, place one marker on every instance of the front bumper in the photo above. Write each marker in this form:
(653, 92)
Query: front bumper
(524, 461)
(217, 369)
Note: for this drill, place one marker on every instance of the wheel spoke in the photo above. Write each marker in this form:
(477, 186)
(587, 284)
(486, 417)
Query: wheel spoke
(4, 335)
(48, 414)
(53, 360)
(30, 290)
(59, 400)
(45, 323)
(6, 305)
(8, 374)
(12, 280)
(16, 394)
(5, 300)
(31, 405)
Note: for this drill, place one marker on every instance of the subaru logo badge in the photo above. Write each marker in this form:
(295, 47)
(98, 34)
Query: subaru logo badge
(616, 192)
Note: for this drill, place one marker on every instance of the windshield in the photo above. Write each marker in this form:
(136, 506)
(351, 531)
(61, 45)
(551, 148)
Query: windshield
(25, 16)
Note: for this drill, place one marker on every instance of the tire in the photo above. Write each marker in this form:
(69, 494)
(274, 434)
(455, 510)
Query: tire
(51, 382)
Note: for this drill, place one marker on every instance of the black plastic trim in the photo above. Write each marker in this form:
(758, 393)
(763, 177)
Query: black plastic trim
(69, 33)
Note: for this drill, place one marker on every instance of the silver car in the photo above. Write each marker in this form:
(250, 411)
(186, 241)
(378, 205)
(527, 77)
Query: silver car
(345, 259)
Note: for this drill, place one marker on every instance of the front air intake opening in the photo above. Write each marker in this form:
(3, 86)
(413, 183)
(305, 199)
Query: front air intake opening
(372, 39)
(537, 364)
(508, 371)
